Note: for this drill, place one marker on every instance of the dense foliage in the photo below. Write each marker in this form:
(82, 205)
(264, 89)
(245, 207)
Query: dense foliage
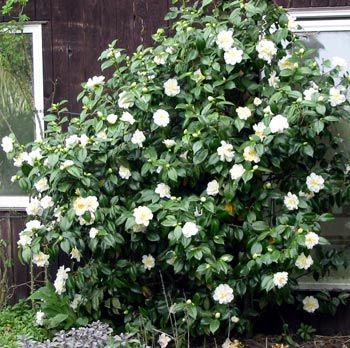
(191, 189)
(18, 320)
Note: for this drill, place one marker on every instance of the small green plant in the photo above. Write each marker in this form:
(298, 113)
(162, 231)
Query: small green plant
(305, 332)
(19, 320)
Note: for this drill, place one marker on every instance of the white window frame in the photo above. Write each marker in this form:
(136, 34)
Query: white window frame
(322, 20)
(21, 202)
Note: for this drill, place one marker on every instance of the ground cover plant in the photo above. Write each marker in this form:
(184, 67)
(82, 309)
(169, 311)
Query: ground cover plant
(190, 192)
(19, 320)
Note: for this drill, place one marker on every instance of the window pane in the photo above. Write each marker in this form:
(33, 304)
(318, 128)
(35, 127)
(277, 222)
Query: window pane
(329, 45)
(16, 94)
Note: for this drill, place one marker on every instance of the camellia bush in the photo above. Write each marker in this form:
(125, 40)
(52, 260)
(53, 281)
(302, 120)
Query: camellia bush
(191, 189)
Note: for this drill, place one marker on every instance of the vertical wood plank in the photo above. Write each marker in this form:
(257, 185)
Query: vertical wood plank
(125, 24)
(60, 36)
(301, 3)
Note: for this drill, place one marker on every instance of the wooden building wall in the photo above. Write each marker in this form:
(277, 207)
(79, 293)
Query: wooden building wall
(74, 34)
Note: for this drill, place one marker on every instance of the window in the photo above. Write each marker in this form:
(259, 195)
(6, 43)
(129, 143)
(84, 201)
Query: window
(328, 32)
(16, 106)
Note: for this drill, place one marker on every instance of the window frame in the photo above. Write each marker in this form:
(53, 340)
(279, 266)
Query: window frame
(35, 29)
(322, 20)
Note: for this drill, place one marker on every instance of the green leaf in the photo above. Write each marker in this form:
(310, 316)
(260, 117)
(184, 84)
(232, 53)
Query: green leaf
(256, 248)
(214, 325)
(260, 226)
(321, 109)
(206, 3)
(57, 320)
(200, 156)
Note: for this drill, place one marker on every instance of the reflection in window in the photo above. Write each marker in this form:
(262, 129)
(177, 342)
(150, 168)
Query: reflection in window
(16, 100)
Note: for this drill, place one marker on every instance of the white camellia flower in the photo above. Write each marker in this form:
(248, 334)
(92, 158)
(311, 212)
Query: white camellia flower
(143, 215)
(18, 160)
(259, 129)
(171, 88)
(24, 239)
(311, 240)
(223, 294)
(304, 262)
(125, 100)
(138, 138)
(148, 261)
(33, 225)
(33, 156)
(225, 152)
(92, 82)
(336, 97)
(81, 205)
(112, 119)
(233, 56)
(237, 171)
(163, 190)
(42, 185)
(315, 183)
(250, 155)
(75, 254)
(159, 60)
(124, 172)
(83, 140)
(273, 80)
(280, 279)
(46, 202)
(338, 62)
(72, 140)
(291, 201)
(213, 188)
(161, 118)
(189, 229)
(285, 63)
(39, 318)
(266, 50)
(60, 281)
(243, 112)
(34, 207)
(127, 117)
(91, 203)
(93, 232)
(163, 340)
(309, 93)
(224, 40)
(41, 259)
(278, 124)
(257, 101)
(310, 304)
(7, 144)
(169, 143)
(267, 111)
(66, 164)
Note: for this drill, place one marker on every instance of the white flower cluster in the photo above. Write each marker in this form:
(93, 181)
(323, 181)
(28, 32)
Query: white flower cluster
(266, 50)
(143, 215)
(81, 205)
(60, 281)
(223, 294)
(37, 206)
(7, 144)
(280, 279)
(95, 81)
(225, 41)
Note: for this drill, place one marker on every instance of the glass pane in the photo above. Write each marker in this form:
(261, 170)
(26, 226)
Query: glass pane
(16, 95)
(329, 45)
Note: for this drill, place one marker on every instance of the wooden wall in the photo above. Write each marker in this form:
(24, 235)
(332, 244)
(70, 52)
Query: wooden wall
(74, 34)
